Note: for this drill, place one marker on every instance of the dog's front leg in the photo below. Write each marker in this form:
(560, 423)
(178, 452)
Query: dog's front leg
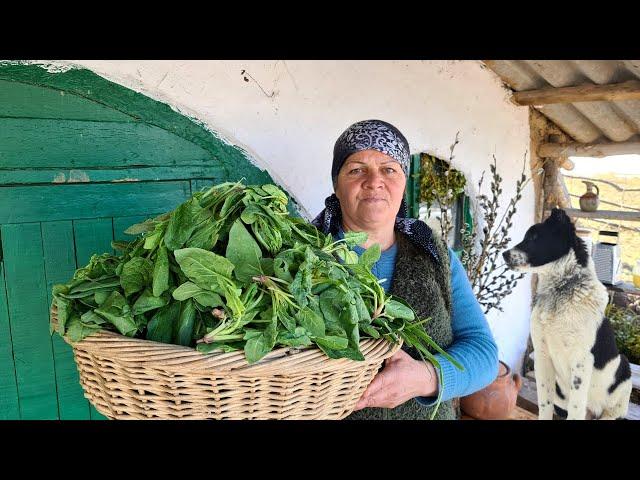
(581, 370)
(545, 384)
(545, 375)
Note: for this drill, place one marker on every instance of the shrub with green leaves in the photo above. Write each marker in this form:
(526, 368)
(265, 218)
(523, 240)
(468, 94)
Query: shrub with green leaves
(626, 327)
(230, 269)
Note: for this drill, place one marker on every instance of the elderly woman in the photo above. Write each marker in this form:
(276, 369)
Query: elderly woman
(369, 172)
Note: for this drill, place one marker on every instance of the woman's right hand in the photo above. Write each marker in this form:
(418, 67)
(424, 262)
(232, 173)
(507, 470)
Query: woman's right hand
(402, 379)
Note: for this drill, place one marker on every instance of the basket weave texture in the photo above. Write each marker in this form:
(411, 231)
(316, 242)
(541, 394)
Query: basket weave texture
(128, 378)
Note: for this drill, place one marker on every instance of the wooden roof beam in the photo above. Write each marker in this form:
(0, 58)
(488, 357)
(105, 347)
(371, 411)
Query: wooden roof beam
(582, 93)
(575, 149)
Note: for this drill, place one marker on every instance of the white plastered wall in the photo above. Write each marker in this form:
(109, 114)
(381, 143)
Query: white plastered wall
(287, 115)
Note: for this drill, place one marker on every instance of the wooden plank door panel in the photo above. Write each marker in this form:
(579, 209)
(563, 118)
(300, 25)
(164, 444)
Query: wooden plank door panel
(28, 311)
(60, 264)
(9, 404)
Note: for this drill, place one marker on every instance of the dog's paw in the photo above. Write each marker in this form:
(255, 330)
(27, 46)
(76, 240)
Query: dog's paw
(545, 414)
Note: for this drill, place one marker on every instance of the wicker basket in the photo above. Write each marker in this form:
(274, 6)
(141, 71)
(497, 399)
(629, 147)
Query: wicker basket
(128, 378)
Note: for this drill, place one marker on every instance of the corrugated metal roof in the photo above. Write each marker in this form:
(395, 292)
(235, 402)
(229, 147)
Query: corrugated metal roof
(585, 122)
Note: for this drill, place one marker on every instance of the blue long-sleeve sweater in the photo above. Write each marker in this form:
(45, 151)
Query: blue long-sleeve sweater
(473, 343)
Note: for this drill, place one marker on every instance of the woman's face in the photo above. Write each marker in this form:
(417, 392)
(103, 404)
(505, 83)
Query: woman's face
(370, 187)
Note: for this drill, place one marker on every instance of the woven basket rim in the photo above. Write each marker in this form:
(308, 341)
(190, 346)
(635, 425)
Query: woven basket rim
(180, 359)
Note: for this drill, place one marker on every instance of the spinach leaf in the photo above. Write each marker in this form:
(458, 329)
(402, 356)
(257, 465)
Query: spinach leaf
(204, 237)
(302, 283)
(298, 338)
(350, 353)
(101, 296)
(330, 304)
(369, 330)
(186, 290)
(259, 345)
(76, 330)
(208, 299)
(186, 324)
(245, 254)
(117, 312)
(286, 263)
(148, 301)
(266, 264)
(92, 318)
(349, 320)
(161, 325)
(351, 239)
(203, 267)
(137, 273)
(182, 223)
(396, 309)
(370, 256)
(363, 311)
(332, 342)
(64, 311)
(311, 322)
(161, 272)
(153, 239)
(143, 227)
(287, 320)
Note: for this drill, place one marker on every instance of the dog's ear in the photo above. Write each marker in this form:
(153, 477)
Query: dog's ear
(580, 249)
(560, 216)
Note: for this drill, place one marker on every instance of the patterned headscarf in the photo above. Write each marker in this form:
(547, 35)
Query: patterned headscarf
(384, 137)
(371, 135)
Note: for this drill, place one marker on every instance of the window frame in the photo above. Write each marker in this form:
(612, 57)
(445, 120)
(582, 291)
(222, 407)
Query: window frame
(412, 198)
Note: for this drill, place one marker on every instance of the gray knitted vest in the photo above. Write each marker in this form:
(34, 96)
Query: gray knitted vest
(426, 285)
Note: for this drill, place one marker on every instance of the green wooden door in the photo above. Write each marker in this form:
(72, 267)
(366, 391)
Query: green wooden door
(81, 159)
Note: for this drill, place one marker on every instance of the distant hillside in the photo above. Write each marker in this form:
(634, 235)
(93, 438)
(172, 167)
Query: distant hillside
(629, 240)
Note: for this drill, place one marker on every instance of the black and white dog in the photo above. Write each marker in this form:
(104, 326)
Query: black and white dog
(577, 365)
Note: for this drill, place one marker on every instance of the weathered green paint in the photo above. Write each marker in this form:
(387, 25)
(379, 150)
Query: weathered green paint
(9, 404)
(468, 216)
(412, 188)
(60, 264)
(92, 237)
(28, 311)
(86, 84)
(72, 201)
(30, 101)
(40, 176)
(37, 143)
(81, 159)
(199, 184)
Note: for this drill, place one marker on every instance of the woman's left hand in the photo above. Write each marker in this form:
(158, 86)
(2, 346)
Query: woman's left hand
(401, 379)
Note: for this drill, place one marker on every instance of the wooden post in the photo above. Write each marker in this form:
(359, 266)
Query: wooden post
(538, 126)
(541, 131)
(556, 193)
(549, 187)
